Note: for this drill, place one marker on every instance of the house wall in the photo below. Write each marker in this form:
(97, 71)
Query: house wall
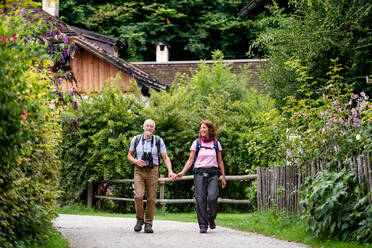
(91, 73)
(167, 71)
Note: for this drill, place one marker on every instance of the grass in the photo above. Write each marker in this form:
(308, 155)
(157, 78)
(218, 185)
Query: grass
(50, 238)
(270, 223)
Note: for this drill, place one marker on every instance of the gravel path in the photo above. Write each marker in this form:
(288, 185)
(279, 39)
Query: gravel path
(83, 231)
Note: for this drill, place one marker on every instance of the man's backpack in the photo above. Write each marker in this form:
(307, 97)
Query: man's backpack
(140, 136)
(199, 145)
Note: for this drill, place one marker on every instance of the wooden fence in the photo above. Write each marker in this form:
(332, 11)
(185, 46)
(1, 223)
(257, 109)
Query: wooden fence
(279, 187)
(161, 200)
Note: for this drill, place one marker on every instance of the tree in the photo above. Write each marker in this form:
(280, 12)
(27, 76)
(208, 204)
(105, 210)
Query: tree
(316, 33)
(192, 28)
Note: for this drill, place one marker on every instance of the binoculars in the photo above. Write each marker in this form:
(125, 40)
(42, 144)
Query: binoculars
(147, 157)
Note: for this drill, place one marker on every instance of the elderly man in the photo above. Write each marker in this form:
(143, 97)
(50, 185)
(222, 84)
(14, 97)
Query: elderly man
(147, 148)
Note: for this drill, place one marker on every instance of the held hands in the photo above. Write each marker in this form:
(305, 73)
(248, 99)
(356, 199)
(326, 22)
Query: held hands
(172, 175)
(175, 177)
(179, 176)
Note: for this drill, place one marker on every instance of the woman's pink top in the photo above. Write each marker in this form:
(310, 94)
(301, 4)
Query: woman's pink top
(207, 157)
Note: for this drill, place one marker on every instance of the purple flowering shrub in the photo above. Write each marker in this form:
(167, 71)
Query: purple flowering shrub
(29, 127)
(331, 127)
(332, 124)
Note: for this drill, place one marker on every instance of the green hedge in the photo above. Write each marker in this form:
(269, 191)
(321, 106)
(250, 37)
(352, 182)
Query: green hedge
(29, 165)
(29, 128)
(108, 121)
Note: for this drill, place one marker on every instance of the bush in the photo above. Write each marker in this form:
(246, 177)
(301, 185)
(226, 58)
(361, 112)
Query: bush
(335, 205)
(29, 130)
(107, 122)
(333, 127)
(97, 149)
(216, 94)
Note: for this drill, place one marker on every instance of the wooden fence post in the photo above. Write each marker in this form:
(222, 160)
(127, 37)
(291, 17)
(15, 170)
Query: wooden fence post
(90, 194)
(259, 189)
(161, 192)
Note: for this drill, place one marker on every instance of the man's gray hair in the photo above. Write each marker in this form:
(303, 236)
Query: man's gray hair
(149, 120)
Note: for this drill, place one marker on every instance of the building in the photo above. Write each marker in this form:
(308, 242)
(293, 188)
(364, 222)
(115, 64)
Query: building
(166, 71)
(96, 57)
(96, 60)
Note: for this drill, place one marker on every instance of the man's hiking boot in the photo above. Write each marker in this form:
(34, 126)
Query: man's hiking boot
(138, 226)
(148, 228)
(203, 229)
(212, 224)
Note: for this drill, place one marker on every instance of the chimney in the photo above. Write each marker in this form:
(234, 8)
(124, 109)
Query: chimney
(162, 52)
(51, 7)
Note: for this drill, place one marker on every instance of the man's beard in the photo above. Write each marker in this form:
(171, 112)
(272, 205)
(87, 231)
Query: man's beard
(148, 133)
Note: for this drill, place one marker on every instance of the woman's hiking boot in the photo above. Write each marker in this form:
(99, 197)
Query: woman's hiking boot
(212, 224)
(203, 229)
(138, 226)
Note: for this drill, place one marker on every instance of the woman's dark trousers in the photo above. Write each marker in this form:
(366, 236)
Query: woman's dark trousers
(206, 194)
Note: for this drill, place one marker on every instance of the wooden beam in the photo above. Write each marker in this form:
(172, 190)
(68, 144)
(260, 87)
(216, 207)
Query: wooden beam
(90, 195)
(166, 179)
(173, 200)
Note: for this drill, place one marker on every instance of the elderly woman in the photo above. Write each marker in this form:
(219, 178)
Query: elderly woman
(206, 155)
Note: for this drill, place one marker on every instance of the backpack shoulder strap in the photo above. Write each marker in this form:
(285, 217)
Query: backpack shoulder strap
(136, 141)
(198, 145)
(216, 148)
(215, 144)
(157, 143)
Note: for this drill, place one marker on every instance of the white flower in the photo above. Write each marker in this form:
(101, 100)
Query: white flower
(358, 137)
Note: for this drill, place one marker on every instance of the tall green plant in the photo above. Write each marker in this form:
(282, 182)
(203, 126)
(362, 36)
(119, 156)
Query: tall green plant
(336, 205)
(334, 128)
(29, 128)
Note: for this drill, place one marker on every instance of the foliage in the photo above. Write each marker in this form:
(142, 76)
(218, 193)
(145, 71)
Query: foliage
(29, 129)
(216, 94)
(108, 122)
(251, 193)
(263, 141)
(193, 29)
(333, 127)
(49, 237)
(315, 33)
(97, 150)
(335, 205)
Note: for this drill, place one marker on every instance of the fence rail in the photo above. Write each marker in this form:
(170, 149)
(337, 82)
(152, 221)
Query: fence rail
(161, 200)
(276, 187)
